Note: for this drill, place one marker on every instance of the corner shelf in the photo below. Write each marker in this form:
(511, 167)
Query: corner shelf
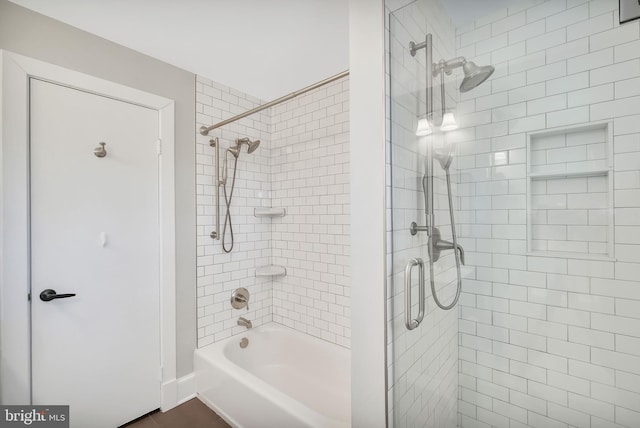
(269, 212)
(271, 270)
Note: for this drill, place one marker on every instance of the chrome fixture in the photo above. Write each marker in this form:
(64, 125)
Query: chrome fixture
(204, 130)
(235, 152)
(244, 342)
(440, 244)
(240, 298)
(408, 321)
(252, 146)
(245, 323)
(473, 76)
(215, 143)
(100, 151)
(444, 157)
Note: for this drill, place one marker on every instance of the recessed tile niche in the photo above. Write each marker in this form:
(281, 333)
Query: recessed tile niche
(570, 192)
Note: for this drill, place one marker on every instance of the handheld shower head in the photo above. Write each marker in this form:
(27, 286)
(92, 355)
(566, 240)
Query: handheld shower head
(444, 156)
(235, 151)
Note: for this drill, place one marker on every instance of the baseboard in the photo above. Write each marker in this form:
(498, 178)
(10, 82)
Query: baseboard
(177, 391)
(186, 388)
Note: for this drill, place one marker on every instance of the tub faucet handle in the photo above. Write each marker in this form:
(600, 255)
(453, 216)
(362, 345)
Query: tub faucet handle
(242, 301)
(240, 298)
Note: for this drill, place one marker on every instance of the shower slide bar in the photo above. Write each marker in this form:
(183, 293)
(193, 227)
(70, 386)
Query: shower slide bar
(214, 142)
(204, 130)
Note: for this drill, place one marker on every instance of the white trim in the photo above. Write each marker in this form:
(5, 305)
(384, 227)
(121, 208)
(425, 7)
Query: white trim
(368, 211)
(16, 70)
(14, 266)
(178, 391)
(186, 388)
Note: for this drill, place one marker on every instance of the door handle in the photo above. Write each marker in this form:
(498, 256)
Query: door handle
(408, 321)
(49, 294)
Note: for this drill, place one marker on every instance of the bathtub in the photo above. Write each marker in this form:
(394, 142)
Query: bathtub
(282, 379)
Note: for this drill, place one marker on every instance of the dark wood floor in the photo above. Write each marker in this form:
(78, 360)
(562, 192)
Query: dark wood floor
(192, 414)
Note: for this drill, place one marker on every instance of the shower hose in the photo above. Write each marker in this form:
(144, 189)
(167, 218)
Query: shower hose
(227, 199)
(455, 251)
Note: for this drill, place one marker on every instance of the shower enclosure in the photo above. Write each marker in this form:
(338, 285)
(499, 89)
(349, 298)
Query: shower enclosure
(514, 150)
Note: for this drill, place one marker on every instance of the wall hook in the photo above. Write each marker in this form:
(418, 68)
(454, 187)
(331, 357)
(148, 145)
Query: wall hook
(100, 151)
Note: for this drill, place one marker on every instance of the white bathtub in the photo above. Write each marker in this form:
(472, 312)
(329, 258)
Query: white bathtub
(282, 379)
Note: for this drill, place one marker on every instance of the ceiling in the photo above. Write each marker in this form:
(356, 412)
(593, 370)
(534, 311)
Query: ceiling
(266, 48)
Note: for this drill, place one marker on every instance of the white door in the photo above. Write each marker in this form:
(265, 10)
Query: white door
(95, 234)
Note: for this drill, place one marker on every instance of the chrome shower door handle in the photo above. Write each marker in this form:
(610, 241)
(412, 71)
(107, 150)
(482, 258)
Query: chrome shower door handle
(408, 321)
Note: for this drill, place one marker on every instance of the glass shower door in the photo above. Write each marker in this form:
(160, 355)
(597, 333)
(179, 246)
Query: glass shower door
(422, 338)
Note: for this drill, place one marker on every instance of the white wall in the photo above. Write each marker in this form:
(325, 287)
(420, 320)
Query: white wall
(366, 95)
(550, 339)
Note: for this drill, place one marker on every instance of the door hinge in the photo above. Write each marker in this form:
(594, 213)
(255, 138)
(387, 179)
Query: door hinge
(159, 146)
(29, 296)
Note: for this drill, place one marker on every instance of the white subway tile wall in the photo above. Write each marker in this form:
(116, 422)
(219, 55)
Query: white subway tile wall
(301, 165)
(310, 178)
(551, 341)
(219, 273)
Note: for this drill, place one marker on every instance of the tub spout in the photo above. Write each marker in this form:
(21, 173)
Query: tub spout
(244, 322)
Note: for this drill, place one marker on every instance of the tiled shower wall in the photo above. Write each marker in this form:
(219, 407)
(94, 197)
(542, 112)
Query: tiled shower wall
(548, 340)
(219, 273)
(310, 179)
(301, 165)
(423, 363)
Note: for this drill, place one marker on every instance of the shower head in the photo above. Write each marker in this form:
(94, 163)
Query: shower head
(252, 146)
(474, 75)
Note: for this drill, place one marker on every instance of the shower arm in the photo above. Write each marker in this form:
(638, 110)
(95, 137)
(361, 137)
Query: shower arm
(448, 66)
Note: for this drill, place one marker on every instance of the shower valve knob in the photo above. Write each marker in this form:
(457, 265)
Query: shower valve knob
(240, 298)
